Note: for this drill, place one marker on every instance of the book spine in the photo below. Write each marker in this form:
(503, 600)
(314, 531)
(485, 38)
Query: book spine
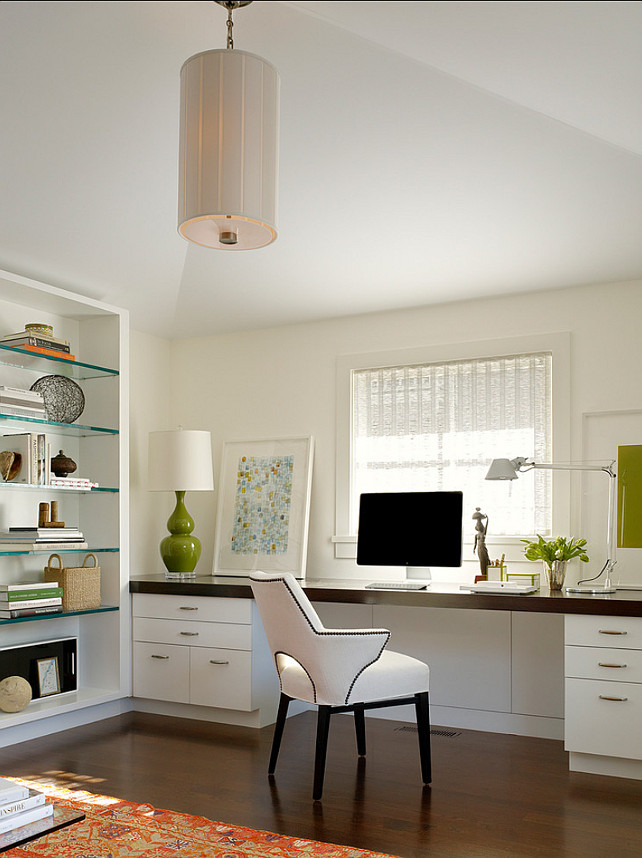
(35, 799)
(60, 545)
(24, 818)
(23, 411)
(36, 341)
(13, 793)
(33, 395)
(20, 401)
(34, 457)
(42, 452)
(16, 613)
(48, 352)
(28, 603)
(31, 595)
(31, 585)
(25, 335)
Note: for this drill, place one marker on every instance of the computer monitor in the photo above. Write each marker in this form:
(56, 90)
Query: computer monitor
(417, 530)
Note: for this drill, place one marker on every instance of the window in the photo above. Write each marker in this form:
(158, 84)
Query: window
(436, 426)
(449, 409)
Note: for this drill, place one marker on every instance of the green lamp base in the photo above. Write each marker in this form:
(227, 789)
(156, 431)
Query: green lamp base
(180, 550)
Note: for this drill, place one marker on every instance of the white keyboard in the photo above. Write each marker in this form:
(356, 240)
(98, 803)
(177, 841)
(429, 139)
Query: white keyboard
(506, 587)
(397, 585)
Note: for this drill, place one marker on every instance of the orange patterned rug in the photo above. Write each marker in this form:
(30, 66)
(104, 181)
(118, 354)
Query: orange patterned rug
(121, 829)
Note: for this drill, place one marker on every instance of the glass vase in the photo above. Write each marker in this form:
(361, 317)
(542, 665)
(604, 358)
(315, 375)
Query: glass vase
(555, 574)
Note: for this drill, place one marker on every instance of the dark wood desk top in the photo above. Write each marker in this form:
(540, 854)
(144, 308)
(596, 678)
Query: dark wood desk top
(624, 603)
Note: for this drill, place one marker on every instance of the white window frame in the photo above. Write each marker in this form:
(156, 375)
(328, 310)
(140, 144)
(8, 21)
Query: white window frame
(558, 344)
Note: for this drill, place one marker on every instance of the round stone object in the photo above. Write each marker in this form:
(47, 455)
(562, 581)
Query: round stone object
(15, 694)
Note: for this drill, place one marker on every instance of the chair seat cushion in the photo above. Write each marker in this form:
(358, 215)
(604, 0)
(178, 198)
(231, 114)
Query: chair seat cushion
(391, 675)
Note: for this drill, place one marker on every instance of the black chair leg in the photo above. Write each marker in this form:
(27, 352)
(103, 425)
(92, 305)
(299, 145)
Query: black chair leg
(423, 729)
(323, 728)
(360, 727)
(284, 702)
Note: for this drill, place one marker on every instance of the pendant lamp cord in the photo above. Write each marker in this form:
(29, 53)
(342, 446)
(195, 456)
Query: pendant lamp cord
(230, 24)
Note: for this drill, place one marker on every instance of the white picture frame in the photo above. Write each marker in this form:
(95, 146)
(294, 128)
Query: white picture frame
(263, 507)
(48, 676)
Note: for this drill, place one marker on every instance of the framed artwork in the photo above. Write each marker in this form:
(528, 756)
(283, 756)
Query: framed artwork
(264, 506)
(48, 676)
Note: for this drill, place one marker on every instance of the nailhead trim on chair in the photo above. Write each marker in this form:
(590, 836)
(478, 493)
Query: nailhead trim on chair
(365, 632)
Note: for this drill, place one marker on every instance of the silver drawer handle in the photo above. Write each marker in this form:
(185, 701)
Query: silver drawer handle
(615, 699)
(189, 634)
(605, 664)
(160, 656)
(187, 608)
(611, 632)
(218, 661)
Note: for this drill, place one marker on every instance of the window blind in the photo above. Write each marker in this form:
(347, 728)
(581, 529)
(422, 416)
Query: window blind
(437, 426)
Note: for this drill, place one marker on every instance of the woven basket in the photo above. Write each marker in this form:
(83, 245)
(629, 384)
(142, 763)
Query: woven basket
(80, 584)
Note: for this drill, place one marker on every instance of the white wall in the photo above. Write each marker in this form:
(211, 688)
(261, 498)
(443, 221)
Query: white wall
(281, 381)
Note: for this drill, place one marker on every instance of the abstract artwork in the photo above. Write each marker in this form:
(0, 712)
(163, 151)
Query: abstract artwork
(263, 508)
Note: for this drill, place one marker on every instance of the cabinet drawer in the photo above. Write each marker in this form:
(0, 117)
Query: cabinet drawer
(161, 672)
(221, 678)
(603, 718)
(619, 665)
(190, 608)
(229, 635)
(620, 632)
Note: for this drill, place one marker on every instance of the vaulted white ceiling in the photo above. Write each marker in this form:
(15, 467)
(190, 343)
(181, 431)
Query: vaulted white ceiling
(430, 151)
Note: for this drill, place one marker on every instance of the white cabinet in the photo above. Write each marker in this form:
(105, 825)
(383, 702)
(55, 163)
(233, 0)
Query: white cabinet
(603, 666)
(206, 652)
(98, 442)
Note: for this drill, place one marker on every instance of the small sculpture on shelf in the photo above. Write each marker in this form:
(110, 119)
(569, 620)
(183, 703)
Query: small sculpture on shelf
(62, 465)
(9, 465)
(480, 543)
(43, 515)
(15, 694)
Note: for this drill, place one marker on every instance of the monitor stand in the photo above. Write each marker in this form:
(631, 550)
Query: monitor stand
(419, 573)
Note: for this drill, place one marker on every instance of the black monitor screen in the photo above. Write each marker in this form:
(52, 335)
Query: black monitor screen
(410, 529)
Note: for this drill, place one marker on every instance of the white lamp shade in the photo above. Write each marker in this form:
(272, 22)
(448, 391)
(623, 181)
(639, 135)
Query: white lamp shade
(180, 460)
(501, 469)
(228, 168)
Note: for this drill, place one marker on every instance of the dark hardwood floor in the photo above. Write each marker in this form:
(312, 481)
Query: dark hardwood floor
(492, 794)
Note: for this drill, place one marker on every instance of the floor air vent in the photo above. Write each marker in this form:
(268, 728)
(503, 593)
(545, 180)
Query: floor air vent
(449, 734)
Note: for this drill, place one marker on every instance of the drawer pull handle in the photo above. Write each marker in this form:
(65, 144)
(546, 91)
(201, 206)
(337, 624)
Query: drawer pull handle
(606, 664)
(218, 661)
(187, 608)
(189, 634)
(615, 699)
(164, 657)
(611, 632)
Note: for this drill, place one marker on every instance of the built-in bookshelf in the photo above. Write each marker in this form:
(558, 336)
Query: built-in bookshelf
(98, 442)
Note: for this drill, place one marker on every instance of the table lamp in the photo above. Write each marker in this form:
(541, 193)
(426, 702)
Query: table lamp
(180, 461)
(508, 469)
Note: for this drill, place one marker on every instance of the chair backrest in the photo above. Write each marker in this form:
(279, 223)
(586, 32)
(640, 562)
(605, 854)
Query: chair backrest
(290, 622)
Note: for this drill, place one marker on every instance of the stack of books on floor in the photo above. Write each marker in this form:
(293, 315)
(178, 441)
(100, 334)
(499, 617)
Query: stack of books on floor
(18, 402)
(41, 343)
(41, 539)
(19, 806)
(30, 599)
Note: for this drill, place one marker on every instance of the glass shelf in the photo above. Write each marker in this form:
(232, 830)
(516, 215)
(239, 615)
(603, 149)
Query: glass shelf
(62, 550)
(77, 429)
(41, 363)
(41, 488)
(103, 609)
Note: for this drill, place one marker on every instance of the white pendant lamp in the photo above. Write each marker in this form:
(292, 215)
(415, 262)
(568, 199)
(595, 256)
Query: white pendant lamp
(228, 170)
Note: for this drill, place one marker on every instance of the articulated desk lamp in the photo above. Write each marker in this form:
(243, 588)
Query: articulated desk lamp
(507, 469)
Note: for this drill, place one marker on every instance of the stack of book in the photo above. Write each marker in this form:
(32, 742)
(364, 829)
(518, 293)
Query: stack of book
(39, 343)
(73, 483)
(35, 451)
(22, 403)
(30, 600)
(20, 806)
(41, 539)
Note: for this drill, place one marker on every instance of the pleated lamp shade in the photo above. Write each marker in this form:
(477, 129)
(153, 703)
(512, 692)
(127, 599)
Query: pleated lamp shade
(228, 170)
